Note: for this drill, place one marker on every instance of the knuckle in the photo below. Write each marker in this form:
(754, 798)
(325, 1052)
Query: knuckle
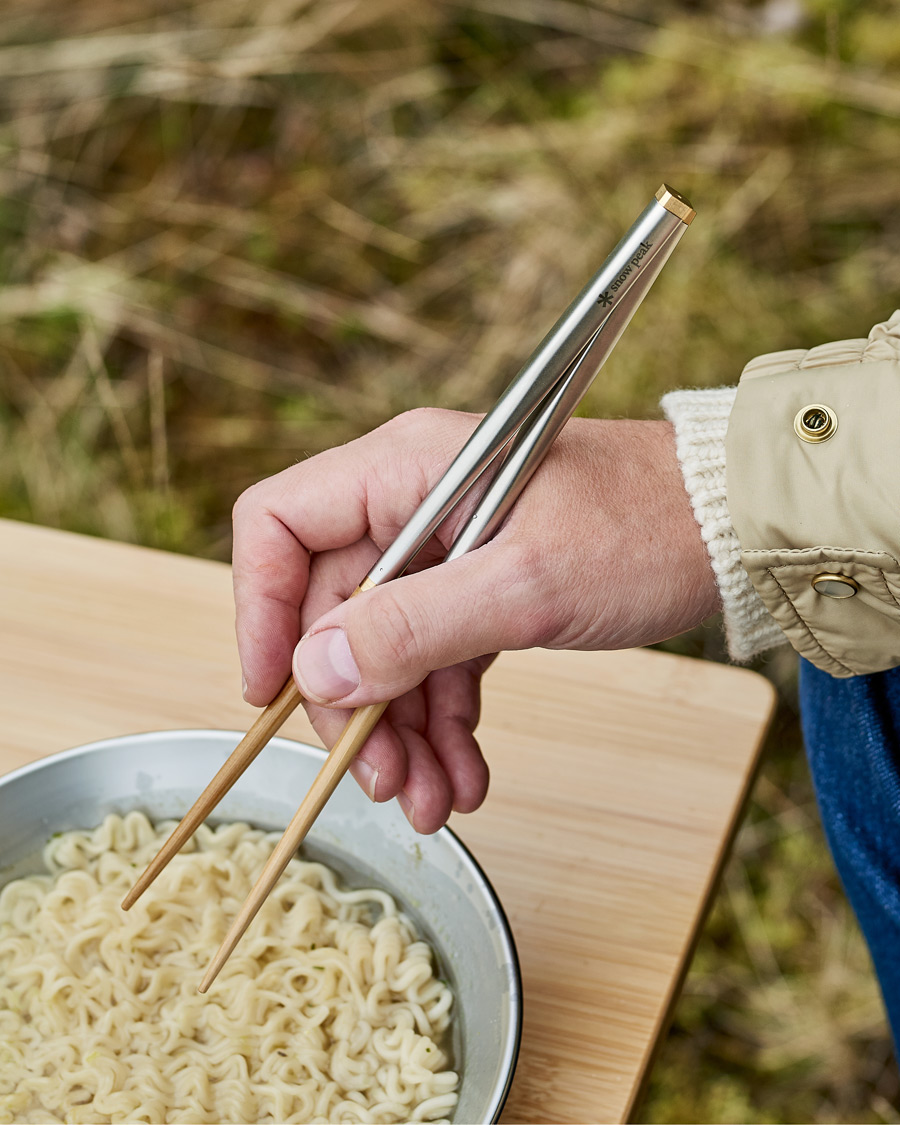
(425, 440)
(247, 502)
(393, 630)
(402, 423)
(411, 423)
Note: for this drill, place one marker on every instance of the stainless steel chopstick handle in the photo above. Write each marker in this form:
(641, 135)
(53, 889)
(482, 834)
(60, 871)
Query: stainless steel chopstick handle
(537, 434)
(667, 214)
(528, 449)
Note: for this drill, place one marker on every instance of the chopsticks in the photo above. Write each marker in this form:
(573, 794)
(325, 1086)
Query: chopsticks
(359, 726)
(263, 729)
(516, 433)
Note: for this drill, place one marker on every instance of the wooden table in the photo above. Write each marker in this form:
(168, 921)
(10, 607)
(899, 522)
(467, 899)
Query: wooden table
(617, 782)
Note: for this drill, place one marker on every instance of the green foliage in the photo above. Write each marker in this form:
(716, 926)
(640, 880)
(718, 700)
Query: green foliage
(234, 235)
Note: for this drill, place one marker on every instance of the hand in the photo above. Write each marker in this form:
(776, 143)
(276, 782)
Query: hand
(601, 551)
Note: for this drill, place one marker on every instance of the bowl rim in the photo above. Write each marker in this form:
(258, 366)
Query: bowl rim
(294, 745)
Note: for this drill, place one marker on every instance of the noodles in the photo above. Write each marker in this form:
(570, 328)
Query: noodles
(328, 1011)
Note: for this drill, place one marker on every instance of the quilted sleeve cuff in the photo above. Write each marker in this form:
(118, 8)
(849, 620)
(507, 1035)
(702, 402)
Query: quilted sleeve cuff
(813, 465)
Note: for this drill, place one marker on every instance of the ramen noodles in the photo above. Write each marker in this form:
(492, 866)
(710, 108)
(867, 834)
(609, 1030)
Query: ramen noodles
(328, 1011)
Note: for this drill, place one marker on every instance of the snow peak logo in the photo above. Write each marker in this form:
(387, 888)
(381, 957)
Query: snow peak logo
(606, 297)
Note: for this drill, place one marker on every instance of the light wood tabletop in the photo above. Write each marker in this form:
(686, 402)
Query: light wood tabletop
(617, 783)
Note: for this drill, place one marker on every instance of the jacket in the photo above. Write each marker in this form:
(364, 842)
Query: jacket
(799, 499)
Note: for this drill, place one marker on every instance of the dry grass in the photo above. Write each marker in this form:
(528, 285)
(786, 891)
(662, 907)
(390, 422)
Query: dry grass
(236, 233)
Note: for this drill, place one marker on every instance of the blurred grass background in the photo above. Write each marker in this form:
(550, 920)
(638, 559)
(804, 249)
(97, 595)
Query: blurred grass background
(235, 233)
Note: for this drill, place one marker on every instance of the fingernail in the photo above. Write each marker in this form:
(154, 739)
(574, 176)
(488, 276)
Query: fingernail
(324, 666)
(243, 687)
(409, 809)
(366, 775)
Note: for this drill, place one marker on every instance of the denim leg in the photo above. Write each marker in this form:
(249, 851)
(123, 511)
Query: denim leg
(852, 733)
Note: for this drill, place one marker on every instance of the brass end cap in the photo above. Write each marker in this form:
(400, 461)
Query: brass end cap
(676, 204)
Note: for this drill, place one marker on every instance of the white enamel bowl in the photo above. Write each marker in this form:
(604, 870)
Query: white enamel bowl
(435, 877)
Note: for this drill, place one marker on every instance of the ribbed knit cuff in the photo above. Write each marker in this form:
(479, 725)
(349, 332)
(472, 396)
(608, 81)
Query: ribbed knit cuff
(700, 419)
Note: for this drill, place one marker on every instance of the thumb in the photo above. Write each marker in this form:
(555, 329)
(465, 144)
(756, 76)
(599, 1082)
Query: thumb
(379, 645)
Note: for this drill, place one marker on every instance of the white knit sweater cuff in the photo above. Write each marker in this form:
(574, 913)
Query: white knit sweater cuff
(700, 419)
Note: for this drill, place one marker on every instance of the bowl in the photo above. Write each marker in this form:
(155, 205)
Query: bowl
(435, 878)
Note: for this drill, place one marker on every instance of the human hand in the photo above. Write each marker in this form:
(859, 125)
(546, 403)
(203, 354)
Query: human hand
(601, 551)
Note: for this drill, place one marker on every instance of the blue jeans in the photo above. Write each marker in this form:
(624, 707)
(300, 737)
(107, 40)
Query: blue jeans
(852, 733)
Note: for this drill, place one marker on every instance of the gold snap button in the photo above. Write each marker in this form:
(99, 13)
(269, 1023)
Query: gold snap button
(815, 422)
(835, 585)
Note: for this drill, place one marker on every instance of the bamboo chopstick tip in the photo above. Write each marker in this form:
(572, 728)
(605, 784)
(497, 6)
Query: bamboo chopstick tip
(211, 973)
(140, 885)
(131, 898)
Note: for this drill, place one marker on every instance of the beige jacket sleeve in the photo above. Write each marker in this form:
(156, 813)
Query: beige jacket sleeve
(812, 463)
